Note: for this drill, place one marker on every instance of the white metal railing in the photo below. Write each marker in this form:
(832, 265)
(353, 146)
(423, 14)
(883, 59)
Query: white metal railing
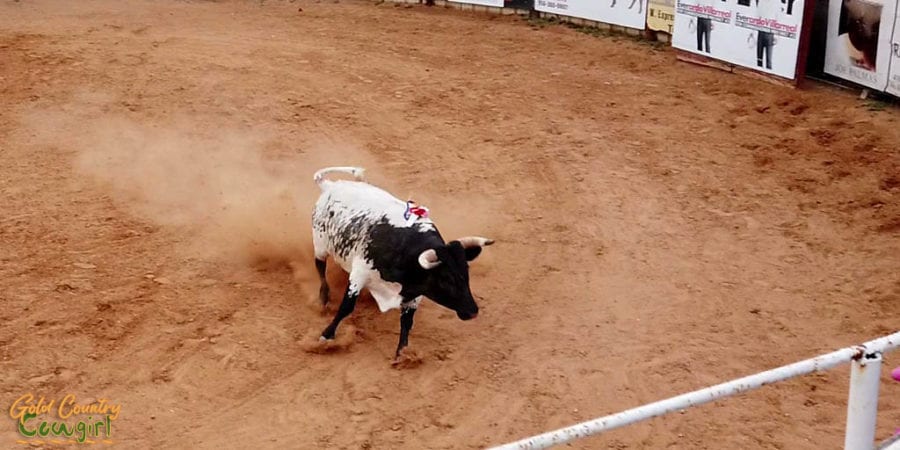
(862, 406)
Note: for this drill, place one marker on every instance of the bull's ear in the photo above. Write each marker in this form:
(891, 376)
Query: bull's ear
(473, 245)
(429, 259)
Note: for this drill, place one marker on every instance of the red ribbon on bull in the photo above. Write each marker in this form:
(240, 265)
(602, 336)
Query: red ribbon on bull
(414, 211)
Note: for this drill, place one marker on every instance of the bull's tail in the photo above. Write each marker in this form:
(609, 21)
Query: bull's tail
(357, 173)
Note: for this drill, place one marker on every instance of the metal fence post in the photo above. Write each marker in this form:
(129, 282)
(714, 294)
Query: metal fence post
(862, 404)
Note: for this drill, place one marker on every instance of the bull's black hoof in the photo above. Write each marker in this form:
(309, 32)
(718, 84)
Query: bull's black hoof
(321, 344)
(407, 358)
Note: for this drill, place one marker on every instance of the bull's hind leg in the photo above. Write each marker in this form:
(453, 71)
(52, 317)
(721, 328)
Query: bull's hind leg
(357, 282)
(321, 255)
(324, 291)
(347, 306)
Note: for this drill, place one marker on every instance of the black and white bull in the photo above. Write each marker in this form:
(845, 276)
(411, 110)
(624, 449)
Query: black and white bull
(391, 248)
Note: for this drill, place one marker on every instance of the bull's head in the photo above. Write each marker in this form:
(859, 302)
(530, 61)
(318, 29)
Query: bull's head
(448, 274)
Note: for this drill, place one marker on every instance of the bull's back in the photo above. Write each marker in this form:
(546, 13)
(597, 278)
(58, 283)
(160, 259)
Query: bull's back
(345, 214)
(342, 201)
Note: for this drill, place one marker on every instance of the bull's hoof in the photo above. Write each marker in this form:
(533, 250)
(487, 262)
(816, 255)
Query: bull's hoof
(406, 359)
(316, 343)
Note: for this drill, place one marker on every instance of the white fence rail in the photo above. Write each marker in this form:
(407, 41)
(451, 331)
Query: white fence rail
(862, 405)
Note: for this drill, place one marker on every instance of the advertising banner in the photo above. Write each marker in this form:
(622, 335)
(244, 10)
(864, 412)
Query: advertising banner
(661, 15)
(519, 4)
(497, 3)
(758, 34)
(627, 13)
(858, 45)
(894, 74)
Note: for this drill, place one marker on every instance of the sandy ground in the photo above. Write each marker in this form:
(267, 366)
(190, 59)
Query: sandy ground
(660, 227)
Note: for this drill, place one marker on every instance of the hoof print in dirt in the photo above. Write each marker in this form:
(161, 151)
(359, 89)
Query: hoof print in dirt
(315, 343)
(407, 359)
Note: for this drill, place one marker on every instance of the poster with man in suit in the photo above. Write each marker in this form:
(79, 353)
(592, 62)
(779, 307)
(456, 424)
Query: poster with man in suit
(699, 25)
(758, 34)
(772, 35)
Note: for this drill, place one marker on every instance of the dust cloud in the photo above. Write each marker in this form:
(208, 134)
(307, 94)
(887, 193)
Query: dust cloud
(232, 200)
(237, 195)
(240, 206)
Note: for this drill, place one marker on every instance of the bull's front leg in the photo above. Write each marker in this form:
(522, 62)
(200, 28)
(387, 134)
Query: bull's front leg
(407, 312)
(406, 323)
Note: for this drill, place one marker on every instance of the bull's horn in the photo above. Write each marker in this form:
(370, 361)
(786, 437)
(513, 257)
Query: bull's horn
(429, 259)
(475, 241)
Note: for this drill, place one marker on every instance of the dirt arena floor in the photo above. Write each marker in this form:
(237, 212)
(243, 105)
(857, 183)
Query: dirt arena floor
(660, 227)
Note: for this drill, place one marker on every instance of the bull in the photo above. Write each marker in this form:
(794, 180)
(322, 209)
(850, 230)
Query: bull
(391, 248)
